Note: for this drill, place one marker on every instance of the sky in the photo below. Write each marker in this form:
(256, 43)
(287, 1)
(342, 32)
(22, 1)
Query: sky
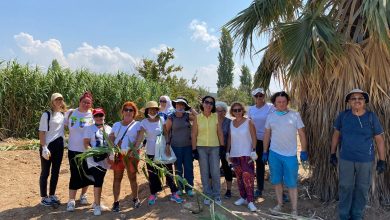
(112, 36)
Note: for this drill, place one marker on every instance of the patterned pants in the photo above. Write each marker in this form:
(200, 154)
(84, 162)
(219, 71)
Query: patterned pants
(245, 173)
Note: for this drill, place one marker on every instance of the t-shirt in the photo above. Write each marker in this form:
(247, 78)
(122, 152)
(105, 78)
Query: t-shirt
(131, 135)
(284, 132)
(56, 125)
(118, 130)
(92, 132)
(241, 140)
(152, 129)
(181, 130)
(259, 116)
(77, 123)
(357, 134)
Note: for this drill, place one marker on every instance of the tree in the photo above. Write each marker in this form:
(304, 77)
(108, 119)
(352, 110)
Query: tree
(157, 70)
(230, 95)
(321, 50)
(246, 80)
(225, 58)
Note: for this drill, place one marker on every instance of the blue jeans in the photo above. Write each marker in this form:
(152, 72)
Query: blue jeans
(184, 160)
(354, 183)
(209, 164)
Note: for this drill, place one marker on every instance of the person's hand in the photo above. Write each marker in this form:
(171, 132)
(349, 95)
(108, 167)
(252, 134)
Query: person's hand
(381, 166)
(227, 157)
(195, 154)
(111, 157)
(45, 152)
(254, 156)
(124, 151)
(333, 159)
(304, 156)
(168, 150)
(264, 157)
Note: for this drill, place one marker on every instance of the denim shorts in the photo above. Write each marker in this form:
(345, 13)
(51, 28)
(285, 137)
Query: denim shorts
(283, 169)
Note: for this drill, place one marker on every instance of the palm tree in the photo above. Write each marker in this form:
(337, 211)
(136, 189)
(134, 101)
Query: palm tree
(321, 50)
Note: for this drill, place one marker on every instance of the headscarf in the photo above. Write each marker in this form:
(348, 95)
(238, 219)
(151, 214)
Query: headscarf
(168, 107)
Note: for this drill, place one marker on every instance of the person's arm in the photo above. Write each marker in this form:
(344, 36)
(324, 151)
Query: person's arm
(302, 138)
(193, 112)
(266, 139)
(335, 141)
(139, 138)
(252, 130)
(220, 133)
(87, 142)
(380, 143)
(42, 138)
(194, 133)
(167, 132)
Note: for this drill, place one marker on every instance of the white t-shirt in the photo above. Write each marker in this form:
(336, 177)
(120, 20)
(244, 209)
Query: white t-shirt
(56, 125)
(77, 123)
(152, 129)
(241, 140)
(92, 132)
(284, 132)
(258, 116)
(131, 135)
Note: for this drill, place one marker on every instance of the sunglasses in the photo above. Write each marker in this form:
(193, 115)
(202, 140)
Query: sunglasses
(208, 103)
(220, 111)
(98, 116)
(237, 110)
(357, 99)
(163, 101)
(259, 96)
(128, 110)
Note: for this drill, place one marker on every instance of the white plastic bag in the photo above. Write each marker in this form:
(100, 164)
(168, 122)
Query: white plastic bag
(160, 156)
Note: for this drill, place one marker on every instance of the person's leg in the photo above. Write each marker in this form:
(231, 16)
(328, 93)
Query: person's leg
(276, 170)
(132, 174)
(98, 174)
(204, 170)
(215, 172)
(170, 180)
(290, 177)
(116, 186)
(238, 171)
(57, 152)
(179, 152)
(45, 170)
(75, 178)
(279, 193)
(227, 171)
(260, 167)
(293, 193)
(248, 177)
(154, 180)
(362, 185)
(188, 166)
(346, 188)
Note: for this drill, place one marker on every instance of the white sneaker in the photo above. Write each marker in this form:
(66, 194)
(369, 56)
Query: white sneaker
(276, 210)
(218, 201)
(252, 207)
(83, 199)
(71, 206)
(206, 201)
(294, 213)
(240, 201)
(97, 210)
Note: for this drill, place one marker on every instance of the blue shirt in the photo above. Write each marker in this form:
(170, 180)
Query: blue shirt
(357, 133)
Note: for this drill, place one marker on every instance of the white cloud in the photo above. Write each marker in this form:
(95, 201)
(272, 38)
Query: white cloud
(200, 32)
(157, 50)
(98, 59)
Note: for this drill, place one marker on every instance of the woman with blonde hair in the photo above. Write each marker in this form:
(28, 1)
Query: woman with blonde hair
(51, 138)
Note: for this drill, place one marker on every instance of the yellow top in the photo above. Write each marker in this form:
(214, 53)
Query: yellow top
(207, 130)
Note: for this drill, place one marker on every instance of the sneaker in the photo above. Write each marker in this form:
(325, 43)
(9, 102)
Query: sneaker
(258, 193)
(176, 198)
(179, 192)
(276, 210)
(152, 199)
(218, 201)
(136, 203)
(190, 193)
(240, 201)
(206, 201)
(83, 199)
(97, 210)
(102, 207)
(46, 201)
(54, 199)
(115, 207)
(252, 207)
(228, 194)
(285, 198)
(294, 213)
(71, 206)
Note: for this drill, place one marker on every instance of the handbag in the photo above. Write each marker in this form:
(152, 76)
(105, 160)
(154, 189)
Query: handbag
(160, 157)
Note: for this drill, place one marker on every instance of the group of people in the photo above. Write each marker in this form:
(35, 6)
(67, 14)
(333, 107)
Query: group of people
(266, 134)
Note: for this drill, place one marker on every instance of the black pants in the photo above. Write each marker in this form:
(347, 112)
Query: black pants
(78, 177)
(98, 174)
(56, 149)
(227, 171)
(154, 180)
(260, 166)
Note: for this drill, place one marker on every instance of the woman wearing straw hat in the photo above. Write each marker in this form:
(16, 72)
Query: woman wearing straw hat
(153, 126)
(178, 136)
(355, 130)
(51, 138)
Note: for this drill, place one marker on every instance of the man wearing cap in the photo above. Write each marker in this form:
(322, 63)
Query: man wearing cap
(355, 130)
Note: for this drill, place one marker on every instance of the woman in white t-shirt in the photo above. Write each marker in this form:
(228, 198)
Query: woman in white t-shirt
(153, 126)
(51, 138)
(242, 154)
(97, 165)
(258, 114)
(77, 120)
(123, 133)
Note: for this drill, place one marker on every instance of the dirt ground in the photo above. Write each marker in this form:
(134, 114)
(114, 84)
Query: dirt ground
(19, 175)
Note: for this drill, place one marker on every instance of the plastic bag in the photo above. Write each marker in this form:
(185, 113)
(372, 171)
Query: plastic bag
(160, 156)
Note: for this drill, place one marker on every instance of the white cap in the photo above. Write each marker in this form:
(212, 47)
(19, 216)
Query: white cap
(258, 90)
(56, 96)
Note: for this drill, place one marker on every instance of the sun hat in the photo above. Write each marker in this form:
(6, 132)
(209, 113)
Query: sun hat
(98, 111)
(182, 100)
(55, 96)
(365, 94)
(258, 90)
(151, 104)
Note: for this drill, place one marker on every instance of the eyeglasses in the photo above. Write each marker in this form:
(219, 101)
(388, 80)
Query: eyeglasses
(220, 111)
(259, 96)
(237, 110)
(98, 116)
(208, 102)
(163, 101)
(357, 99)
(128, 110)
